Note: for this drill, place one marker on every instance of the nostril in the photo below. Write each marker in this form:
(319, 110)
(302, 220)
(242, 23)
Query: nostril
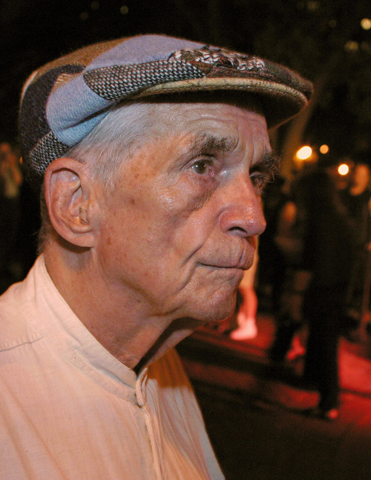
(238, 231)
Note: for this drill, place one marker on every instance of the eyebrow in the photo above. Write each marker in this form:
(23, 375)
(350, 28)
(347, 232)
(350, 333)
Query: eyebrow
(269, 164)
(211, 143)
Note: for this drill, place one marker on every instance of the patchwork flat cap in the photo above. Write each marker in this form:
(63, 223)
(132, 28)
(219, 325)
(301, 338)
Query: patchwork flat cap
(64, 100)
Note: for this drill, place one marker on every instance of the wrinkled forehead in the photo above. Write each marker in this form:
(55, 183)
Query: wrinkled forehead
(199, 111)
(175, 132)
(224, 128)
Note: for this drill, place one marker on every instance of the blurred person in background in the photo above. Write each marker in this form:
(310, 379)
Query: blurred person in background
(272, 262)
(10, 214)
(328, 243)
(357, 200)
(289, 238)
(246, 315)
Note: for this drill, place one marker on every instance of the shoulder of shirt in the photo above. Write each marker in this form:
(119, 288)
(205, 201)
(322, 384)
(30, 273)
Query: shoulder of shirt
(15, 310)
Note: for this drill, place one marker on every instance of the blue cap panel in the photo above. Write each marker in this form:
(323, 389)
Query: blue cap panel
(72, 111)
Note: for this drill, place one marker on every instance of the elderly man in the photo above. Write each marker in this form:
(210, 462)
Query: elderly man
(150, 191)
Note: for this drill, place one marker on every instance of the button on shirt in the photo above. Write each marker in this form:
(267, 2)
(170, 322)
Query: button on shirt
(70, 410)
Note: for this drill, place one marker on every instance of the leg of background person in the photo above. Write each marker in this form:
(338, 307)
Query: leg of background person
(246, 317)
(321, 365)
(328, 379)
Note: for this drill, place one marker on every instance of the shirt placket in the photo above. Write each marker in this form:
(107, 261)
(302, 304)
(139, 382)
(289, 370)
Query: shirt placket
(141, 395)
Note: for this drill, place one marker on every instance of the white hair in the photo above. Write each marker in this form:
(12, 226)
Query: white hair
(115, 139)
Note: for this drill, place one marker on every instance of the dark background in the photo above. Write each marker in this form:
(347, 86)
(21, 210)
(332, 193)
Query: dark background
(323, 40)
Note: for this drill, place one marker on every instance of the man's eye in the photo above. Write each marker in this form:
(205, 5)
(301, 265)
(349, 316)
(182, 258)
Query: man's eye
(202, 167)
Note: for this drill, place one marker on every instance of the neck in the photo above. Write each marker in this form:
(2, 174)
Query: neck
(122, 323)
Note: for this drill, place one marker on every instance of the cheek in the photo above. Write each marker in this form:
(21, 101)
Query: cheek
(156, 223)
(182, 225)
(183, 200)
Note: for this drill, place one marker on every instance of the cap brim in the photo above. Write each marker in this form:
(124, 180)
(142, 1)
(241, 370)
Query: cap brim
(280, 102)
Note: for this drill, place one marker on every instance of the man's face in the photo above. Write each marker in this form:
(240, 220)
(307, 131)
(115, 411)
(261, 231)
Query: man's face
(179, 229)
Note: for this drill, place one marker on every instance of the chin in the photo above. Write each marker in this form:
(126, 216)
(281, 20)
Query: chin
(217, 309)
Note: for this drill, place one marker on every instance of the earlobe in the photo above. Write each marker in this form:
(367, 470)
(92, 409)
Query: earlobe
(69, 195)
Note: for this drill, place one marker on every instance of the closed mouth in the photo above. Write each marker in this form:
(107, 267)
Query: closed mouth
(244, 262)
(239, 266)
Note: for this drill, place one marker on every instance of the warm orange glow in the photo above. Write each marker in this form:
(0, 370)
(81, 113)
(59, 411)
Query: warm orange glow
(304, 153)
(343, 169)
(324, 149)
(366, 24)
(351, 46)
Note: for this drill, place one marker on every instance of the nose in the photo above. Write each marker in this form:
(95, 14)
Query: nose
(241, 211)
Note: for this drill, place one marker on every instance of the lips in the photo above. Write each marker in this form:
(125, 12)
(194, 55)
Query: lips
(242, 261)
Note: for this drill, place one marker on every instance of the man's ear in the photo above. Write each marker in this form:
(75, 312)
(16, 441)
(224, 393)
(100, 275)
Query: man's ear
(69, 195)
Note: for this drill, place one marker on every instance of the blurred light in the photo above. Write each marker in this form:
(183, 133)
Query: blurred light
(343, 169)
(332, 23)
(366, 24)
(312, 6)
(124, 9)
(94, 5)
(304, 153)
(324, 149)
(351, 46)
(84, 15)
